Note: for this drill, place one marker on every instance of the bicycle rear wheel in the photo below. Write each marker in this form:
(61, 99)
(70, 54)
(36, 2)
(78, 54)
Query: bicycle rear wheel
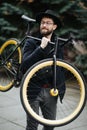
(9, 66)
(74, 99)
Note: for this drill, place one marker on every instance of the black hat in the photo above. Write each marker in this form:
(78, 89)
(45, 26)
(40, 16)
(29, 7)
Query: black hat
(50, 14)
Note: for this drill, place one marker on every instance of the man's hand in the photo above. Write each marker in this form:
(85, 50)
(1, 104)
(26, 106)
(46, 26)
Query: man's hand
(44, 42)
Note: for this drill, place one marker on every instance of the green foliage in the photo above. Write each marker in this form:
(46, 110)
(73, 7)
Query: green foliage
(67, 5)
(72, 13)
(9, 9)
(10, 20)
(6, 26)
(6, 29)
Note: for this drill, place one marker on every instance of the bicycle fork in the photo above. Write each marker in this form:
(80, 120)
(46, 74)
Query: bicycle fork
(54, 90)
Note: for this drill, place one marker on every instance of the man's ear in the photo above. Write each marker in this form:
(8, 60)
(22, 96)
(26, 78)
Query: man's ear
(55, 26)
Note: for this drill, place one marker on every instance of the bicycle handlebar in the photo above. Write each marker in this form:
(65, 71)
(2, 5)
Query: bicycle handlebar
(38, 39)
(61, 39)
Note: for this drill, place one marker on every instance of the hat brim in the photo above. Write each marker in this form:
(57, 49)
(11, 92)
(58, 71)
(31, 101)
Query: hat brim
(55, 19)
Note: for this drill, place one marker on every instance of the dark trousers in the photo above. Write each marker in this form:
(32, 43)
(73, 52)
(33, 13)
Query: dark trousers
(47, 103)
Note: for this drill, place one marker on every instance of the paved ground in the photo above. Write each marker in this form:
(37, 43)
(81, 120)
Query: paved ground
(13, 117)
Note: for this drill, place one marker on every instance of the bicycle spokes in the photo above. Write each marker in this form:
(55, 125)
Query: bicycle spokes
(9, 64)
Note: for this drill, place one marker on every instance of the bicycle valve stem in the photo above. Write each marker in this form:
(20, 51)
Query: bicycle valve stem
(54, 92)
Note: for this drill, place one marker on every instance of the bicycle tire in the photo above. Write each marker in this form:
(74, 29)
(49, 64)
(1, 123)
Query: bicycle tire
(66, 111)
(11, 64)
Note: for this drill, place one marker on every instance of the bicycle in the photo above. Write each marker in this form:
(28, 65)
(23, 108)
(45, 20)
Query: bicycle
(75, 85)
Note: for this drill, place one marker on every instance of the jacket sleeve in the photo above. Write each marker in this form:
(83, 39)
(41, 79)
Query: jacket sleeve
(31, 55)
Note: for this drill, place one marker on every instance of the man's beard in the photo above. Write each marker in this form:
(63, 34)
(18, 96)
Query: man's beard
(46, 33)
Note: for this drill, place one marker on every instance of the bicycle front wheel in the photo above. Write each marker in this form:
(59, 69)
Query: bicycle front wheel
(74, 99)
(9, 65)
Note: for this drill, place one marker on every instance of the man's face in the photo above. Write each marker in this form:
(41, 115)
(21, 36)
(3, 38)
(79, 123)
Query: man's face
(47, 26)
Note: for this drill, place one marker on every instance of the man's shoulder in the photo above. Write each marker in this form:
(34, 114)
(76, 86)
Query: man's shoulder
(30, 41)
